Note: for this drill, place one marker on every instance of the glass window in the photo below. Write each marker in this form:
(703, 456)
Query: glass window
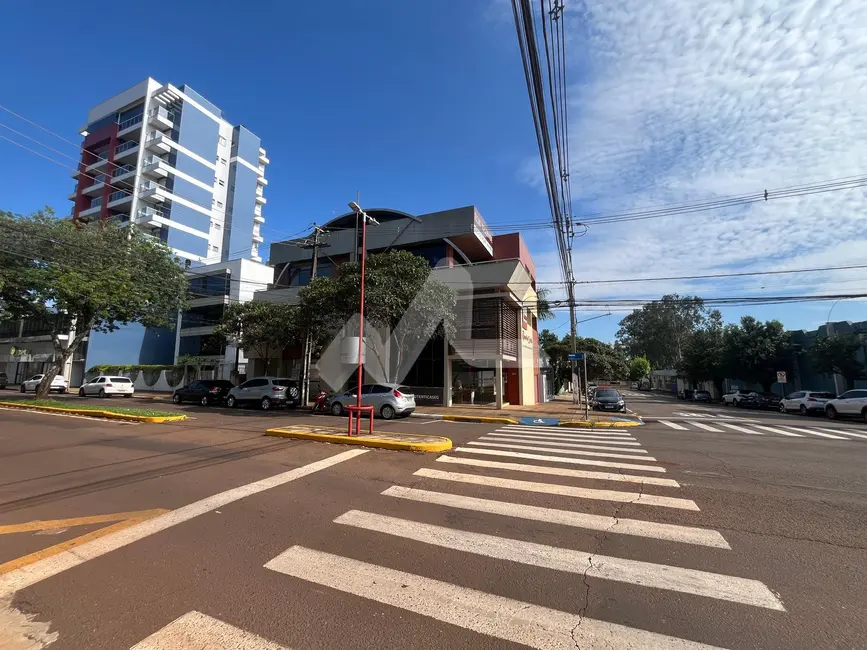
(255, 383)
(367, 390)
(195, 385)
(121, 380)
(222, 140)
(847, 395)
(823, 395)
(100, 380)
(283, 382)
(379, 389)
(859, 394)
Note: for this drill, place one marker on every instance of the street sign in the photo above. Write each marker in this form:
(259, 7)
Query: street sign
(575, 356)
(781, 376)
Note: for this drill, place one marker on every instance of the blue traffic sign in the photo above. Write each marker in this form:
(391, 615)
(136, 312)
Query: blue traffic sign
(575, 356)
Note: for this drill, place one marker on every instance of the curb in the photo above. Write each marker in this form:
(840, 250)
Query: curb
(584, 424)
(444, 444)
(157, 419)
(478, 418)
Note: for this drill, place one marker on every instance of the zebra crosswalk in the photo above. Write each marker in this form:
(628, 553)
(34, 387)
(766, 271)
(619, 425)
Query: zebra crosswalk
(500, 464)
(756, 429)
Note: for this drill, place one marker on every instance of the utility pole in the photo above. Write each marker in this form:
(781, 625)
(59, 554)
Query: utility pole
(574, 330)
(310, 244)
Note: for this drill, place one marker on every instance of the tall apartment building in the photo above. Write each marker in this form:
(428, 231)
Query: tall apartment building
(165, 159)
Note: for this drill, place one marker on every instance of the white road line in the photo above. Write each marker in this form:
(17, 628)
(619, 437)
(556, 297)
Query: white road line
(557, 443)
(560, 459)
(586, 563)
(843, 433)
(599, 440)
(502, 618)
(503, 445)
(561, 471)
(741, 429)
(51, 566)
(561, 490)
(782, 432)
(672, 425)
(726, 416)
(706, 427)
(197, 631)
(815, 433)
(607, 433)
(620, 526)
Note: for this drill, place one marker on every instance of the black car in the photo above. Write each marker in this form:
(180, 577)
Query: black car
(4, 380)
(763, 400)
(684, 393)
(608, 399)
(701, 396)
(203, 391)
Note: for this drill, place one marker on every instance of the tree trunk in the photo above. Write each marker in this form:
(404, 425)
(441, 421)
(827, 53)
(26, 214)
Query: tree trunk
(61, 356)
(56, 368)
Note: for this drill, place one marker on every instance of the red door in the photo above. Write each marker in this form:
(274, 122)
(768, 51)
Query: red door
(512, 391)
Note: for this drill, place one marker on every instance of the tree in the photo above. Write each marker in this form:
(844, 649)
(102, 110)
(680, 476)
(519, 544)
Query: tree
(261, 327)
(604, 361)
(838, 354)
(639, 368)
(755, 351)
(97, 278)
(705, 354)
(659, 329)
(543, 305)
(401, 297)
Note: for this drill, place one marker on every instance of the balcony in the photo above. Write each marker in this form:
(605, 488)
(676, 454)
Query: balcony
(120, 201)
(153, 191)
(261, 200)
(94, 209)
(262, 180)
(126, 151)
(155, 167)
(100, 163)
(130, 129)
(258, 218)
(263, 159)
(148, 217)
(257, 236)
(160, 118)
(122, 174)
(98, 185)
(158, 142)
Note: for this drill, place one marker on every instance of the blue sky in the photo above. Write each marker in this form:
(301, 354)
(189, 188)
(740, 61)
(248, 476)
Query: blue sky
(422, 106)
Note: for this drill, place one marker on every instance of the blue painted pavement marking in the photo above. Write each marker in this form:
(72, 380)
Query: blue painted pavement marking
(540, 422)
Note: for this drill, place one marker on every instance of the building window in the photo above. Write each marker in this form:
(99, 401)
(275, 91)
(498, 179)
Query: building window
(224, 161)
(219, 204)
(217, 226)
(214, 249)
(221, 183)
(222, 141)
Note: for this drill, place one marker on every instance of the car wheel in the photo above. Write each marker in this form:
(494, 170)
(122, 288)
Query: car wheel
(387, 412)
(736, 403)
(101, 393)
(337, 409)
(231, 402)
(23, 390)
(802, 410)
(127, 396)
(831, 412)
(266, 403)
(782, 408)
(81, 393)
(864, 414)
(176, 399)
(204, 401)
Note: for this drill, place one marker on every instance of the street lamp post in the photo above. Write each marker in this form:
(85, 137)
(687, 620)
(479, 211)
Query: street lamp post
(364, 219)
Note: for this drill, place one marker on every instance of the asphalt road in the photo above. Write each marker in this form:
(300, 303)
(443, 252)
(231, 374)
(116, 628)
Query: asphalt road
(535, 537)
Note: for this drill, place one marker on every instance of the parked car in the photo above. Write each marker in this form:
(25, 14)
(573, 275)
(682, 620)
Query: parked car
(634, 385)
(267, 392)
(701, 396)
(4, 380)
(58, 384)
(203, 391)
(107, 386)
(806, 401)
(607, 399)
(387, 400)
(762, 400)
(736, 397)
(591, 388)
(684, 393)
(852, 402)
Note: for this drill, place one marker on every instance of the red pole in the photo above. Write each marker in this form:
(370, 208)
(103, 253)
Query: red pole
(361, 322)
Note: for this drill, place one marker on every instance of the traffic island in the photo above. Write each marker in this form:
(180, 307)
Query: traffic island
(379, 440)
(97, 412)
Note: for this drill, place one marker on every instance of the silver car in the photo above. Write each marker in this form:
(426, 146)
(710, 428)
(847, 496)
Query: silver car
(387, 400)
(267, 392)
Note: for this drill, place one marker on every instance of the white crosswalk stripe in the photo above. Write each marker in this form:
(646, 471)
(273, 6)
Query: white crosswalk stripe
(670, 532)
(735, 427)
(754, 428)
(560, 471)
(197, 631)
(706, 427)
(558, 443)
(565, 435)
(575, 452)
(502, 618)
(782, 432)
(673, 425)
(626, 442)
(559, 459)
(639, 498)
(845, 433)
(816, 433)
(604, 433)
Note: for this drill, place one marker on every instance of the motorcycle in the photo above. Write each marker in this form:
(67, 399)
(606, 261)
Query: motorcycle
(321, 402)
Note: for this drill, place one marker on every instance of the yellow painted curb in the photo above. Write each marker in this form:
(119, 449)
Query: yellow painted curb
(100, 414)
(478, 418)
(584, 424)
(444, 444)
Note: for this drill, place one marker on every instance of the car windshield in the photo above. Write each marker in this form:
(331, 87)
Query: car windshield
(702, 392)
(607, 393)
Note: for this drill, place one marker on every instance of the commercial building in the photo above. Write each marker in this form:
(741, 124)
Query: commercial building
(164, 158)
(494, 355)
(26, 348)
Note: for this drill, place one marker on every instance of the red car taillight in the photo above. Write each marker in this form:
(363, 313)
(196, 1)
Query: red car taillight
(214, 390)
(812, 399)
(397, 393)
(108, 385)
(277, 389)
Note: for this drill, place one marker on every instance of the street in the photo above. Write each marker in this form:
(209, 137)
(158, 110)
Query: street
(654, 536)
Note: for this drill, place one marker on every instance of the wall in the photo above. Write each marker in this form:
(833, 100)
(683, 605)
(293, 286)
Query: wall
(238, 230)
(131, 344)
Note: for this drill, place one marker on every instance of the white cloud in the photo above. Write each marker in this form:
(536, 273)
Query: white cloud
(686, 101)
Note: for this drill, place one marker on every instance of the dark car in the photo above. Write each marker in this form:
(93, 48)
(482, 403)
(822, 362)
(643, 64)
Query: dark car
(763, 400)
(608, 399)
(203, 391)
(701, 396)
(4, 380)
(684, 393)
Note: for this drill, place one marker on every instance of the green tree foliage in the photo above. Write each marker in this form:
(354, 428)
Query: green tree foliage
(262, 328)
(604, 361)
(660, 329)
(755, 351)
(838, 354)
(706, 353)
(543, 305)
(639, 368)
(100, 277)
(400, 299)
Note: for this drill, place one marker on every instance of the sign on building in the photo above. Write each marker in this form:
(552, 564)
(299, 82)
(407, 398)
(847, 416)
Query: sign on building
(781, 376)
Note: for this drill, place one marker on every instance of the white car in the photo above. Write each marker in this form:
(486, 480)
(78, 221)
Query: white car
(737, 397)
(107, 386)
(57, 384)
(852, 402)
(806, 401)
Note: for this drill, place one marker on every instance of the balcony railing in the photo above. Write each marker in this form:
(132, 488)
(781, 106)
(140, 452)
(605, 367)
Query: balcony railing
(99, 178)
(153, 160)
(126, 146)
(149, 186)
(149, 213)
(115, 196)
(162, 112)
(130, 122)
(120, 171)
